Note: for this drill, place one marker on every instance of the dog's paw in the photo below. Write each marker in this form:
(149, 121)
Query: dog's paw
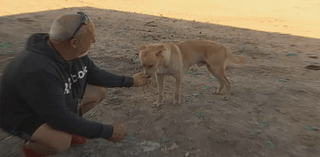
(226, 98)
(156, 104)
(175, 102)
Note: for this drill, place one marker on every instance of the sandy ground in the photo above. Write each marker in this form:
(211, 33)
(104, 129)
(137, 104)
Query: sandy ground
(273, 110)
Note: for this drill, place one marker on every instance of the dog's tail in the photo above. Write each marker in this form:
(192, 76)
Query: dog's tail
(238, 60)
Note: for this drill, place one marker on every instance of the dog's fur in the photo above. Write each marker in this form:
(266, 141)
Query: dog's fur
(174, 59)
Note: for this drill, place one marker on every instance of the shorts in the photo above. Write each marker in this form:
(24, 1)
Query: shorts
(28, 127)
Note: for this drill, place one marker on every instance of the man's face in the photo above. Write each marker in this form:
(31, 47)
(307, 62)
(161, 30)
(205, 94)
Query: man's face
(87, 40)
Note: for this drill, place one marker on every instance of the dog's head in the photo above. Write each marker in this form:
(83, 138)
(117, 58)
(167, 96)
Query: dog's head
(151, 58)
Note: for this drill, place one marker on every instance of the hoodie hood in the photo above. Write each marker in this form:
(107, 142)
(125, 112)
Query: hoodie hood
(38, 43)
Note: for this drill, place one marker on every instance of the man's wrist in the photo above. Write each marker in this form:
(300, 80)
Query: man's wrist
(131, 80)
(107, 131)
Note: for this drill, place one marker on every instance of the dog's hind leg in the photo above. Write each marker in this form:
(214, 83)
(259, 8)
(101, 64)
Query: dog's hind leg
(227, 83)
(219, 73)
(221, 84)
(178, 89)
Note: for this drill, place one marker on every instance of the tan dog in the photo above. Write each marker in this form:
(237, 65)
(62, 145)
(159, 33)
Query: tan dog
(175, 59)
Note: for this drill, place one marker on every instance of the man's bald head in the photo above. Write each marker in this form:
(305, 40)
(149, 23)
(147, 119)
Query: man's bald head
(63, 27)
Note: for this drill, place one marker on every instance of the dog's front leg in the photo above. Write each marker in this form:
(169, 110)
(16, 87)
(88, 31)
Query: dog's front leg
(160, 80)
(178, 88)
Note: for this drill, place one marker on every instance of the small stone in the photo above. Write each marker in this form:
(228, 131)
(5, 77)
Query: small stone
(313, 56)
(173, 147)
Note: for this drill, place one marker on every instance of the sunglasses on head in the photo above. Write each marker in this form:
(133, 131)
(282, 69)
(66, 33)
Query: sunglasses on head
(84, 21)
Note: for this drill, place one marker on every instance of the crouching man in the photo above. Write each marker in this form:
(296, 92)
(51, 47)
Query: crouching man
(47, 87)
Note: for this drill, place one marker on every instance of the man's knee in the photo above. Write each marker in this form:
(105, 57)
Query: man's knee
(102, 94)
(92, 97)
(94, 94)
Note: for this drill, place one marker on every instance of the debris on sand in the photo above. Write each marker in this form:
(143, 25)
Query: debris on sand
(292, 54)
(313, 67)
(312, 56)
(263, 124)
(200, 114)
(271, 144)
(310, 128)
(173, 147)
(150, 24)
(148, 146)
(283, 80)
(4, 46)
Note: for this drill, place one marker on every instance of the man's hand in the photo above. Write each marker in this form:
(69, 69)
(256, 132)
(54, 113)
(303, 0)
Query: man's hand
(140, 80)
(119, 132)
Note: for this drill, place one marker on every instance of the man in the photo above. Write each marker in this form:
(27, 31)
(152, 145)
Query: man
(47, 87)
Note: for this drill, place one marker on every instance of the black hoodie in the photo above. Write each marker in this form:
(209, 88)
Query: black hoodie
(39, 84)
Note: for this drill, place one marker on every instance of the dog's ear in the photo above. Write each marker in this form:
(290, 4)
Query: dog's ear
(159, 50)
(142, 47)
(161, 47)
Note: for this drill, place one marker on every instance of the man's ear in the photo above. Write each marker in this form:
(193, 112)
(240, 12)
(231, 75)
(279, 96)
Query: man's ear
(142, 47)
(73, 43)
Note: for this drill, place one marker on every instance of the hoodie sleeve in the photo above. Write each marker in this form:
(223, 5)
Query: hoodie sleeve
(45, 95)
(100, 77)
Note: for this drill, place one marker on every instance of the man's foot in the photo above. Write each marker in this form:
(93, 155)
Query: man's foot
(76, 139)
(28, 152)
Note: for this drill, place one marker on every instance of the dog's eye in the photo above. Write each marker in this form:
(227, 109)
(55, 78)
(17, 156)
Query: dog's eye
(150, 66)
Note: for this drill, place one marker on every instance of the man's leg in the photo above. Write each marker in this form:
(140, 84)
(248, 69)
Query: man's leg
(47, 141)
(92, 97)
